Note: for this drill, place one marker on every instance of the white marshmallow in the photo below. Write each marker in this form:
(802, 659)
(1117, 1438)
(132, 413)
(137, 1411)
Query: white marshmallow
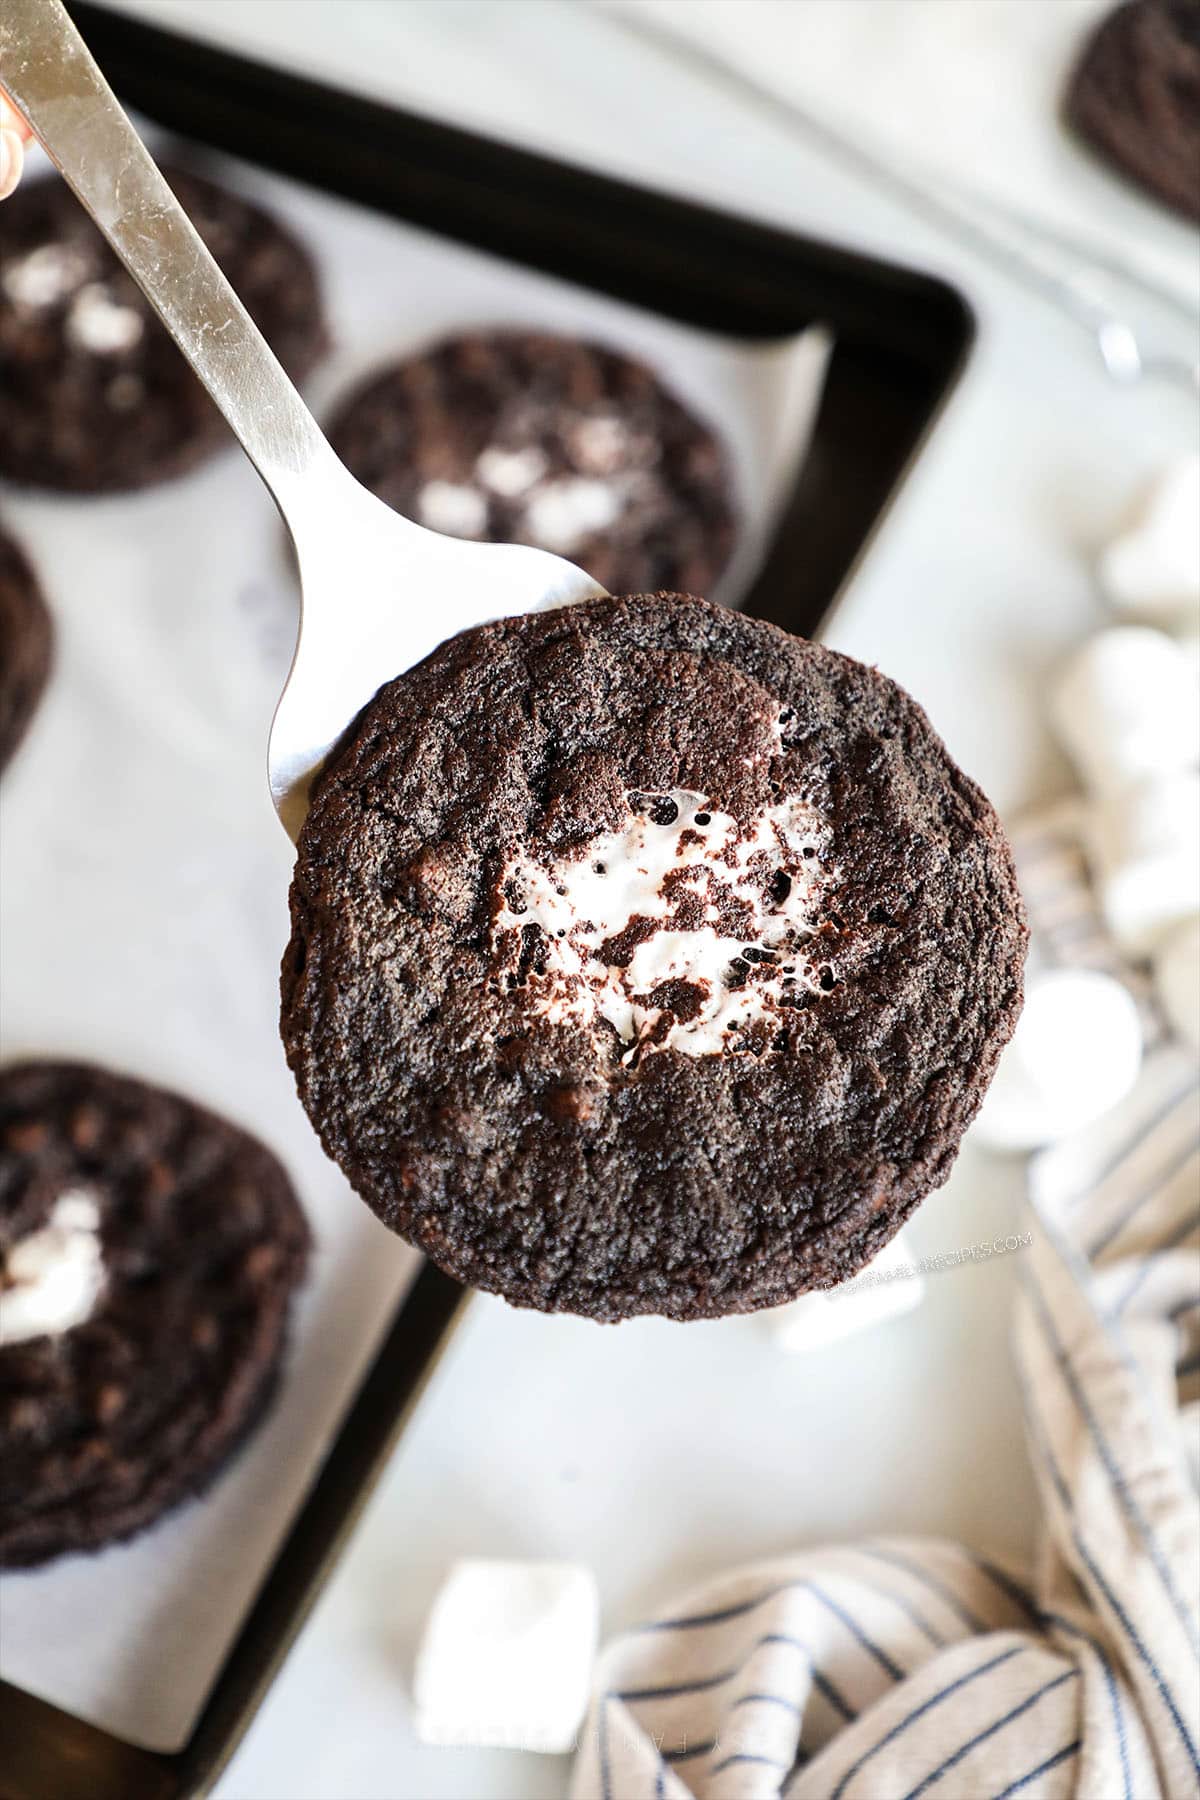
(562, 513)
(506, 1659)
(654, 871)
(890, 1285)
(47, 275)
(1154, 567)
(601, 443)
(1075, 1053)
(101, 324)
(451, 508)
(511, 473)
(1144, 847)
(1127, 707)
(51, 1279)
(1177, 977)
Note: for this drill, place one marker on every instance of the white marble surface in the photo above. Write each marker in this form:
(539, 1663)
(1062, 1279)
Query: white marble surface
(655, 1452)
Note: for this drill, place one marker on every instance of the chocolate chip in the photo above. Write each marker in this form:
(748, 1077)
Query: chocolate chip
(664, 811)
(204, 1332)
(85, 1127)
(108, 1401)
(159, 1180)
(90, 1454)
(21, 1416)
(572, 1104)
(683, 999)
(534, 949)
(514, 899)
(26, 1137)
(617, 951)
(261, 1261)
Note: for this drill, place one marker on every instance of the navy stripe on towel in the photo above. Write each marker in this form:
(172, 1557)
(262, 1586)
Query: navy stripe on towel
(1189, 1224)
(1116, 1474)
(918, 1712)
(1151, 1189)
(1089, 1562)
(1069, 1626)
(703, 1683)
(1130, 1146)
(988, 1731)
(1043, 1768)
(747, 1756)
(958, 1607)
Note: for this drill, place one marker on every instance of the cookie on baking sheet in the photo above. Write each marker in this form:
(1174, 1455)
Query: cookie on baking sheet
(148, 1255)
(94, 396)
(647, 959)
(522, 437)
(1135, 97)
(26, 645)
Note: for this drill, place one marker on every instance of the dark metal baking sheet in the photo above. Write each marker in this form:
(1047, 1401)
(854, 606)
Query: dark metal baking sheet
(901, 338)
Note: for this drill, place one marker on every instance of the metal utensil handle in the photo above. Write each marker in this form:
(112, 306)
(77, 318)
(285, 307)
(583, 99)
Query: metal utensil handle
(49, 72)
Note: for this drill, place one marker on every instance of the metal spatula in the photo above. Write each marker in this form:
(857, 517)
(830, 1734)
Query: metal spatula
(378, 592)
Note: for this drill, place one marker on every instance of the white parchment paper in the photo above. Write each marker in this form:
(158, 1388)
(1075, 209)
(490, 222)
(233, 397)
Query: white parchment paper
(143, 892)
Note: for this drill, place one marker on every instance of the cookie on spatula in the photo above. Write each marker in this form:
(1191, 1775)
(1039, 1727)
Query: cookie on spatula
(647, 959)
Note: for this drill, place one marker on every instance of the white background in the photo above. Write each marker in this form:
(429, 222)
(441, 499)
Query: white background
(659, 1453)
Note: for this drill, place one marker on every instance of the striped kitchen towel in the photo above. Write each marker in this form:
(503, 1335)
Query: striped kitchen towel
(906, 1666)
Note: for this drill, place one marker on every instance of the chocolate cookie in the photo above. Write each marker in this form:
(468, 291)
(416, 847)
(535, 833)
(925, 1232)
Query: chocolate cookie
(94, 396)
(520, 437)
(1135, 97)
(646, 959)
(148, 1255)
(26, 645)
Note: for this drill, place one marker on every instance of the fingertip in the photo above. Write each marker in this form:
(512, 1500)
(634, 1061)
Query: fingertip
(12, 161)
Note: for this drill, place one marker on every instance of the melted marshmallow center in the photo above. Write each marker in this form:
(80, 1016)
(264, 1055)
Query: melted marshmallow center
(51, 1279)
(683, 929)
